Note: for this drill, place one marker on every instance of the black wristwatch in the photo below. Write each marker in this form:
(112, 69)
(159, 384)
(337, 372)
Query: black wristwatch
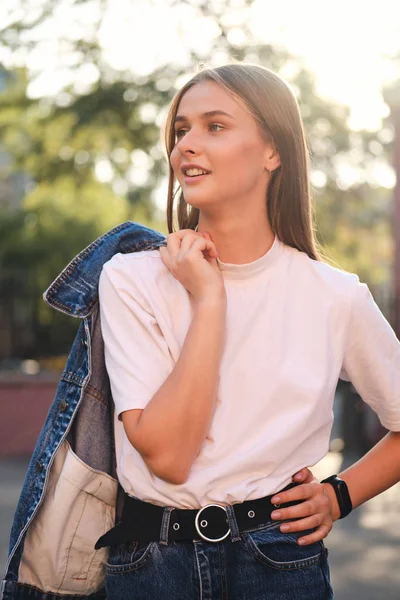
(342, 494)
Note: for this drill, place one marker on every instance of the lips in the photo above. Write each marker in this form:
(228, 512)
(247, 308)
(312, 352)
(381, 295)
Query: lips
(194, 170)
(194, 179)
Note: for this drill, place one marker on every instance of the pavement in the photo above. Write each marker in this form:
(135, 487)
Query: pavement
(364, 548)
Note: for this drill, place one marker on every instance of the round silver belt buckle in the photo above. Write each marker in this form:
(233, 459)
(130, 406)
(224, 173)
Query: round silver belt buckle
(196, 522)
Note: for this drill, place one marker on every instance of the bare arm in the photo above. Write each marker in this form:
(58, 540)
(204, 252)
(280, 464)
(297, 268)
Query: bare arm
(374, 473)
(170, 431)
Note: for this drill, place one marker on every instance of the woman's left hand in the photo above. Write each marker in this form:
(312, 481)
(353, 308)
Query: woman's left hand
(314, 513)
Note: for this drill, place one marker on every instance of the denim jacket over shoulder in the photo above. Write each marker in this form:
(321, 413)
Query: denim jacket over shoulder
(69, 497)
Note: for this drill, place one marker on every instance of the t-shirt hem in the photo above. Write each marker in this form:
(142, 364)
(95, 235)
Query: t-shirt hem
(391, 425)
(137, 406)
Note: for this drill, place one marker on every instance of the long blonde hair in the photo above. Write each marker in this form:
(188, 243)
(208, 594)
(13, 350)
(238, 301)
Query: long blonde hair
(275, 108)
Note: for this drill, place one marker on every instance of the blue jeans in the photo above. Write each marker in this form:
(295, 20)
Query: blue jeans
(260, 564)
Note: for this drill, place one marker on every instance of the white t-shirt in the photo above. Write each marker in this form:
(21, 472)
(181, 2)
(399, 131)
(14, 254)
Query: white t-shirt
(293, 327)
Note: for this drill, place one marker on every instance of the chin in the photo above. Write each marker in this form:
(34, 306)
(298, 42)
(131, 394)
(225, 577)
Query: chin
(198, 201)
(204, 198)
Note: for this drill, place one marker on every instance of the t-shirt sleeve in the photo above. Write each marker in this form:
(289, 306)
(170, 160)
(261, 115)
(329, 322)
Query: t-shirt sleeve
(137, 357)
(372, 358)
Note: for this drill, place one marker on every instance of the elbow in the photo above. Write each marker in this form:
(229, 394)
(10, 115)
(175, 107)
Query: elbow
(173, 478)
(171, 471)
(164, 466)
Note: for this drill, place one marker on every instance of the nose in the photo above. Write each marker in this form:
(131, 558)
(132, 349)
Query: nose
(189, 144)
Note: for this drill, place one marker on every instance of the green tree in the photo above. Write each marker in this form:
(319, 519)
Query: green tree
(94, 158)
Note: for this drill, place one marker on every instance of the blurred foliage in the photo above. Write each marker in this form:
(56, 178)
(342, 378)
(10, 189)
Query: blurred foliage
(93, 158)
(33, 246)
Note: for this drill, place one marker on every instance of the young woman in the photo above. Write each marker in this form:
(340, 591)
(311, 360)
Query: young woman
(224, 349)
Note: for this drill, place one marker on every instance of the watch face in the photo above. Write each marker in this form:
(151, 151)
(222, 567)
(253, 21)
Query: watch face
(342, 494)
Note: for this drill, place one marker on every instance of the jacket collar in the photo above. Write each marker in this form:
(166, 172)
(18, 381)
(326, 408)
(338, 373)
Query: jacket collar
(75, 290)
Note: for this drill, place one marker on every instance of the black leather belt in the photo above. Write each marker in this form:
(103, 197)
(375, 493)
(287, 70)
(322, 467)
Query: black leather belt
(142, 521)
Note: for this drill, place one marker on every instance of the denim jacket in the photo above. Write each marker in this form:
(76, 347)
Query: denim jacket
(71, 495)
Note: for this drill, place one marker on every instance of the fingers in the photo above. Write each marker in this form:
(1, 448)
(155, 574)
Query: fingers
(300, 492)
(174, 240)
(182, 241)
(199, 244)
(313, 513)
(319, 534)
(207, 235)
(214, 251)
(189, 240)
(303, 524)
(315, 501)
(303, 476)
(303, 509)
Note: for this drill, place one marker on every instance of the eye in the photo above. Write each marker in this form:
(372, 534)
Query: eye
(216, 127)
(180, 133)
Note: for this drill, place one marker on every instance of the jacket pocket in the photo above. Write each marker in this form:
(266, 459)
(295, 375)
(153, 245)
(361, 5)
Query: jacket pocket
(78, 507)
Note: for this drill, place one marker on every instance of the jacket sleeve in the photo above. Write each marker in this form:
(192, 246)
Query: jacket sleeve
(137, 357)
(372, 358)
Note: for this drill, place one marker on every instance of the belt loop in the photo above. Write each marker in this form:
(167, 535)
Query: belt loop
(230, 513)
(165, 525)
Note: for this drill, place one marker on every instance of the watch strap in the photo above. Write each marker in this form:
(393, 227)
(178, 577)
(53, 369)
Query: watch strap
(342, 494)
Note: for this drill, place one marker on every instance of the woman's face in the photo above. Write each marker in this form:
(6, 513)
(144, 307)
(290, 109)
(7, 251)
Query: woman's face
(219, 153)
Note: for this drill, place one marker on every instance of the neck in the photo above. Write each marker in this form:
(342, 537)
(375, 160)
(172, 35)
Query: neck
(238, 242)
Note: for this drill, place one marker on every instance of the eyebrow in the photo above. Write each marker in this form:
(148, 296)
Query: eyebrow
(206, 115)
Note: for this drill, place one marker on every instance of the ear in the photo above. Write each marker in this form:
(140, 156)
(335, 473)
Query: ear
(272, 159)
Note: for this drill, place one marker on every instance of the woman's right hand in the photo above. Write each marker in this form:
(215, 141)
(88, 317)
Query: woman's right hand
(192, 259)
